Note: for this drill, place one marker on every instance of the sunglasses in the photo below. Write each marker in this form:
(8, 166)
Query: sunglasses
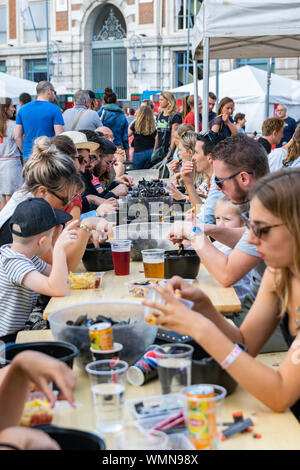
(93, 158)
(219, 182)
(256, 229)
(81, 160)
(66, 202)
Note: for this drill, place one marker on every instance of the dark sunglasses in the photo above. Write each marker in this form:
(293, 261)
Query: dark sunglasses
(219, 182)
(256, 229)
(81, 159)
(66, 202)
(93, 158)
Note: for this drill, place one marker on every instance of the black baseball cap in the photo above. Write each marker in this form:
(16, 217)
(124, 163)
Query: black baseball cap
(35, 216)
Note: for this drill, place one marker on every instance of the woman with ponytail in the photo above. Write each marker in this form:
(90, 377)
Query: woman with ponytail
(51, 174)
(188, 110)
(10, 159)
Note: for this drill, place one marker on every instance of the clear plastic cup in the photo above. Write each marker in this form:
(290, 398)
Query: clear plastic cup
(108, 381)
(174, 367)
(154, 263)
(121, 256)
(134, 439)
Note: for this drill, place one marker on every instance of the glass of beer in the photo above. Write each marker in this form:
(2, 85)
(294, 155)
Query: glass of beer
(121, 256)
(154, 263)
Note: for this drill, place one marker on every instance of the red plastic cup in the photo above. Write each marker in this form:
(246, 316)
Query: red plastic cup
(121, 256)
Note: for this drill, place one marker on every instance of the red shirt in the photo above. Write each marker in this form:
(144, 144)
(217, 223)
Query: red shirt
(77, 201)
(190, 119)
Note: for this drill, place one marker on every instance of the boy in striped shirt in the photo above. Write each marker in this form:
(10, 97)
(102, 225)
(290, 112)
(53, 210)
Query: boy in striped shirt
(23, 274)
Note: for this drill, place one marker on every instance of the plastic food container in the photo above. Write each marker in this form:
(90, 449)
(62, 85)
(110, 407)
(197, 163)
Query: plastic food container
(140, 287)
(158, 406)
(37, 410)
(85, 280)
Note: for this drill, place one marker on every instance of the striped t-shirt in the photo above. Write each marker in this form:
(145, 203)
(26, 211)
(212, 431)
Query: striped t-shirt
(16, 300)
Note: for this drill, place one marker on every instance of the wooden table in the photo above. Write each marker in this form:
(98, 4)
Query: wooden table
(113, 287)
(279, 431)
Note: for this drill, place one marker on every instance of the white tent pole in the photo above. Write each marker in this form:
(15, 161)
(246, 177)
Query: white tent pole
(205, 85)
(195, 74)
(217, 82)
(268, 84)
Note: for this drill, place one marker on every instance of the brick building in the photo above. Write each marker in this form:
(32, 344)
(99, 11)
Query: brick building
(93, 41)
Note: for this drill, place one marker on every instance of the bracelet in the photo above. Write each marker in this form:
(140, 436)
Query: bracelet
(85, 227)
(9, 446)
(231, 357)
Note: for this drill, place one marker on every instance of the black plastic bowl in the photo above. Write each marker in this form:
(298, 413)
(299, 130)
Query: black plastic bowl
(185, 265)
(73, 439)
(208, 371)
(65, 352)
(98, 259)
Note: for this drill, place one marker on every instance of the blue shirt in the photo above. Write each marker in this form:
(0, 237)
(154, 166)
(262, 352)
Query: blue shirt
(207, 211)
(38, 118)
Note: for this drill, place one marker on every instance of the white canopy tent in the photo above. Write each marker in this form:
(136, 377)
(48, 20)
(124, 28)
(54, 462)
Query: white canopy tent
(246, 86)
(244, 29)
(12, 87)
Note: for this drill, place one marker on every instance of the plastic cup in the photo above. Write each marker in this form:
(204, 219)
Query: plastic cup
(203, 409)
(174, 367)
(133, 439)
(107, 381)
(121, 256)
(154, 263)
(100, 355)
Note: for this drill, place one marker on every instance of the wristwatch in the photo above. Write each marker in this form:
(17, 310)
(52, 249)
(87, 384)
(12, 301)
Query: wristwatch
(195, 231)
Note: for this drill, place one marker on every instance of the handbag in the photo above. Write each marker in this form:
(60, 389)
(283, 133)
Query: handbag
(167, 336)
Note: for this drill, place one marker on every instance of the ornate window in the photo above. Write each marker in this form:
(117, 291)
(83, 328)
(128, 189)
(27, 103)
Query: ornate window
(109, 25)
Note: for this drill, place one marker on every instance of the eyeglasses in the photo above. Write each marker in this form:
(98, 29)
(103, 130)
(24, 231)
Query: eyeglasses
(219, 182)
(93, 158)
(256, 229)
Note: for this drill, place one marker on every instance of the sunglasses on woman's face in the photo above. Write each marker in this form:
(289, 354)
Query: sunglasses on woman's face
(257, 229)
(66, 202)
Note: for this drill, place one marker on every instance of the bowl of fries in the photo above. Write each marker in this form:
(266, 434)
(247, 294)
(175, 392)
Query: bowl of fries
(85, 280)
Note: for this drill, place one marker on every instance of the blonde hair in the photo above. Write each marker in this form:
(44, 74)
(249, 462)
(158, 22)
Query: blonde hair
(188, 140)
(293, 151)
(235, 207)
(49, 167)
(172, 105)
(279, 193)
(145, 123)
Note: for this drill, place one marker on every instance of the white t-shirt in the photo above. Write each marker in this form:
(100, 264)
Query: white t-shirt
(16, 300)
(276, 158)
(241, 287)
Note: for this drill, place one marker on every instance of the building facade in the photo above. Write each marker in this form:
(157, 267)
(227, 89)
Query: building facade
(130, 45)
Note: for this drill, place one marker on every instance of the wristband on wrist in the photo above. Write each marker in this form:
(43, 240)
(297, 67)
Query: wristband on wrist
(195, 231)
(232, 356)
(86, 228)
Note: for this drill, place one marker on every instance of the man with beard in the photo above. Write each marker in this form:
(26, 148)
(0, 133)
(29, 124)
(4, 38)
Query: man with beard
(238, 162)
(37, 118)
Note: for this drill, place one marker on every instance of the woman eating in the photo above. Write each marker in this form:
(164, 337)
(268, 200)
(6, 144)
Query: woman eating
(274, 225)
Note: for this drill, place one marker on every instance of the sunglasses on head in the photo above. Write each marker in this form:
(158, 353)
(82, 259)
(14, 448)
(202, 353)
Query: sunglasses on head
(219, 182)
(257, 229)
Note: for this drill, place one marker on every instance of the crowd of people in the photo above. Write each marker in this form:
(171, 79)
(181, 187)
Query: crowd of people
(61, 177)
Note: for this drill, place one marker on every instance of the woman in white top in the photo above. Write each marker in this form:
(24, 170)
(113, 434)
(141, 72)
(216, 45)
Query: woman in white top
(10, 159)
(288, 155)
